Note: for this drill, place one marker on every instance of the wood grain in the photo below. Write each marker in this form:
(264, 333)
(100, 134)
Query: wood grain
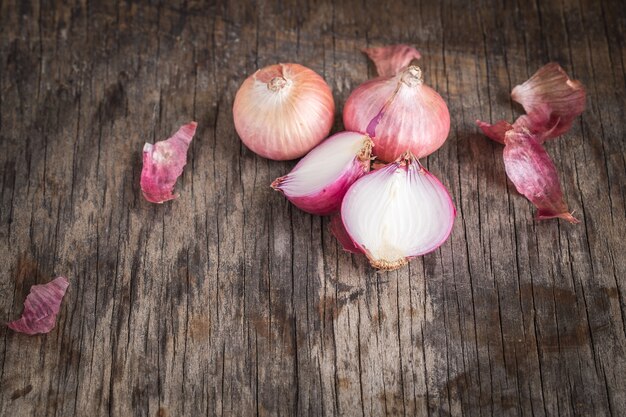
(231, 302)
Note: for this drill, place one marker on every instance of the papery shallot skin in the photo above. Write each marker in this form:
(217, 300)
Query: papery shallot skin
(390, 60)
(283, 111)
(399, 113)
(41, 307)
(327, 200)
(495, 132)
(552, 101)
(534, 175)
(550, 95)
(163, 163)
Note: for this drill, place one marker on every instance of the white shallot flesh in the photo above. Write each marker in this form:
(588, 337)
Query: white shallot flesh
(397, 212)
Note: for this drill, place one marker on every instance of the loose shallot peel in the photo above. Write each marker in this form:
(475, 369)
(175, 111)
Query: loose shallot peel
(495, 132)
(41, 307)
(390, 60)
(396, 213)
(399, 113)
(552, 102)
(163, 163)
(534, 175)
(319, 181)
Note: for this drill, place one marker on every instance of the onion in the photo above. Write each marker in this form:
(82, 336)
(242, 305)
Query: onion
(319, 181)
(282, 111)
(399, 113)
(397, 212)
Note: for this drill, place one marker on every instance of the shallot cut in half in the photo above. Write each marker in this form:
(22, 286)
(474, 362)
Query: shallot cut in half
(41, 307)
(163, 163)
(319, 181)
(283, 111)
(396, 213)
(398, 111)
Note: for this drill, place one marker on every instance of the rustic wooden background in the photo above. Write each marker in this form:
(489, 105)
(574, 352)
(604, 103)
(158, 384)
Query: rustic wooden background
(229, 301)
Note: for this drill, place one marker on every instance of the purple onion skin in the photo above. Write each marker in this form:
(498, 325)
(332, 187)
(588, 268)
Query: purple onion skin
(328, 200)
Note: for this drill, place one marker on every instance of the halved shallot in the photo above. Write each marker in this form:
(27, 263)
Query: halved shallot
(319, 181)
(396, 213)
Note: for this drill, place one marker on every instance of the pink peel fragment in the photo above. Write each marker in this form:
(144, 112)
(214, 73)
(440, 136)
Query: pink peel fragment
(551, 99)
(341, 234)
(390, 60)
(536, 123)
(163, 163)
(534, 175)
(41, 307)
(495, 132)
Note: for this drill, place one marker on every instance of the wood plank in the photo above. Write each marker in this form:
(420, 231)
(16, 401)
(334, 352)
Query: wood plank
(229, 300)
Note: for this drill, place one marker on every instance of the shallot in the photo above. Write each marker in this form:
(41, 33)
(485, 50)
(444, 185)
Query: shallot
(396, 213)
(283, 111)
(398, 111)
(319, 181)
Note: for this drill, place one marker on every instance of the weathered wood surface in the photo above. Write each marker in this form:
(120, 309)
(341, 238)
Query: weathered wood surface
(229, 301)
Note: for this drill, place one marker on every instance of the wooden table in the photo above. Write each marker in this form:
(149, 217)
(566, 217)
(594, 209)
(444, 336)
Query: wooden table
(229, 301)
